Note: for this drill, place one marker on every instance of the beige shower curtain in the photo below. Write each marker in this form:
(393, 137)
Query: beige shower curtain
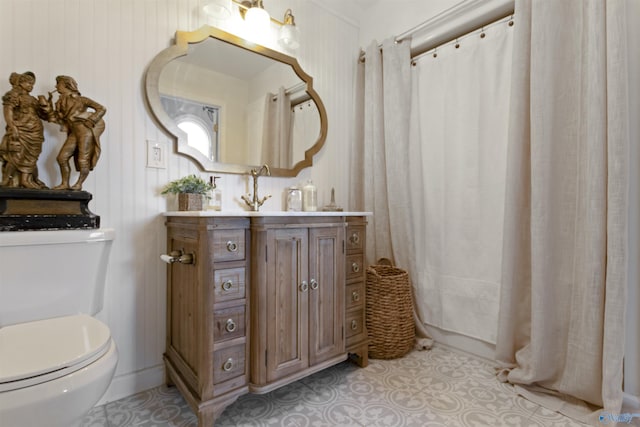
(562, 310)
(277, 148)
(436, 188)
(388, 155)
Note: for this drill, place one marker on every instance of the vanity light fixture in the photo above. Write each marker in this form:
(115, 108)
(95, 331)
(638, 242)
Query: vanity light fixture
(258, 20)
(289, 34)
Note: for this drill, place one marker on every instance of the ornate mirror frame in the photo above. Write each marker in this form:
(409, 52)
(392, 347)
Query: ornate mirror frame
(180, 48)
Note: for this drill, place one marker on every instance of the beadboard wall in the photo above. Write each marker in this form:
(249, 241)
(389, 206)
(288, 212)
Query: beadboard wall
(106, 46)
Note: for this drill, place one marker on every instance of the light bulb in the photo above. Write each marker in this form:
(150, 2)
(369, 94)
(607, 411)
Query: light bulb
(258, 20)
(289, 37)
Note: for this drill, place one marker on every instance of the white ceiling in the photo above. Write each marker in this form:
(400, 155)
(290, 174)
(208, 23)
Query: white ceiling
(351, 9)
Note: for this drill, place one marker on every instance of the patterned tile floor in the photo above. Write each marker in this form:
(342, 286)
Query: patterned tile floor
(432, 388)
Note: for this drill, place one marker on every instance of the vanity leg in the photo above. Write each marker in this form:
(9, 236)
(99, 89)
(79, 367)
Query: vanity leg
(361, 356)
(208, 412)
(206, 419)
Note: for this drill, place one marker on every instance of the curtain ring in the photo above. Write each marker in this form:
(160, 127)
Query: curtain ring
(482, 34)
(511, 21)
(457, 44)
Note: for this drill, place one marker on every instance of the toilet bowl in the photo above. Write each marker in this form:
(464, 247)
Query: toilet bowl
(53, 371)
(56, 359)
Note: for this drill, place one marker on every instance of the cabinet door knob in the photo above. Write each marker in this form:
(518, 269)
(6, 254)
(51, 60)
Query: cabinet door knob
(355, 296)
(232, 246)
(355, 267)
(314, 284)
(304, 286)
(227, 285)
(354, 325)
(231, 325)
(228, 365)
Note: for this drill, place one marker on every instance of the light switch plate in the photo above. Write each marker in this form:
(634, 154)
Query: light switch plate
(156, 154)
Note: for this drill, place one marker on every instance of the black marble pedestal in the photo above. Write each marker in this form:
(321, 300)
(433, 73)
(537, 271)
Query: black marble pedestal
(27, 209)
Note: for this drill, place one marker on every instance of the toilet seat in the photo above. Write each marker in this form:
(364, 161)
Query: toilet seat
(35, 352)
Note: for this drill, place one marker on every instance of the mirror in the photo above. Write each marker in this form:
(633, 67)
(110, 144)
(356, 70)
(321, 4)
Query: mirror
(233, 105)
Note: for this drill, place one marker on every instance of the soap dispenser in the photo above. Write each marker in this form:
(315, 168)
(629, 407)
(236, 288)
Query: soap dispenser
(215, 195)
(309, 197)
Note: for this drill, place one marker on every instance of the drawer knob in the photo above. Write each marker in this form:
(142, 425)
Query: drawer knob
(355, 296)
(232, 246)
(304, 286)
(354, 325)
(227, 285)
(228, 365)
(355, 267)
(231, 325)
(313, 284)
(355, 238)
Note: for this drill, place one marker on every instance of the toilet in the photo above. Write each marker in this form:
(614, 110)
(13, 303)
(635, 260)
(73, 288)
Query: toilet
(56, 359)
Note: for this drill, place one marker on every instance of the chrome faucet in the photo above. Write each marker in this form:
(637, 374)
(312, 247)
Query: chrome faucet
(255, 203)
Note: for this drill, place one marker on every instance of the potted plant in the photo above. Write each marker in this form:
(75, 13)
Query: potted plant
(190, 190)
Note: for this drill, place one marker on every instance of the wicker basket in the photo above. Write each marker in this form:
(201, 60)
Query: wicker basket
(389, 312)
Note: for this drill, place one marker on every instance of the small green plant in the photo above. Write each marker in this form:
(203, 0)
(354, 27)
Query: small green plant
(189, 184)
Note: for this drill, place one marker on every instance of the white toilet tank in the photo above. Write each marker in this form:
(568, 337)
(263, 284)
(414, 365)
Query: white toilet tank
(45, 274)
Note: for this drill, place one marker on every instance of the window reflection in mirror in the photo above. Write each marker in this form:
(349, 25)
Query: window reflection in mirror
(198, 121)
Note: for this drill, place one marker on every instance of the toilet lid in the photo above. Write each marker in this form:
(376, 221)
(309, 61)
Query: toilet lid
(32, 350)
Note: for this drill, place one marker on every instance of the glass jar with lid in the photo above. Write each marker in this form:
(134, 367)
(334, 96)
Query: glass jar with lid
(294, 199)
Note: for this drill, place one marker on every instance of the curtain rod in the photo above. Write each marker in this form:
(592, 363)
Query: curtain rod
(297, 88)
(452, 23)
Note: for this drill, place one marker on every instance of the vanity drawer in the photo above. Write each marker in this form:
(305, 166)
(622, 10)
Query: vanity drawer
(354, 296)
(229, 284)
(228, 363)
(228, 245)
(355, 237)
(228, 323)
(354, 266)
(354, 323)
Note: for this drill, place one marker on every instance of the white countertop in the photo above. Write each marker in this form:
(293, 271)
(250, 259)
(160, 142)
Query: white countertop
(264, 213)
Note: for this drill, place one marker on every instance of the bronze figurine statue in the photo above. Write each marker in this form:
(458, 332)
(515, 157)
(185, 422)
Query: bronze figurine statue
(83, 129)
(22, 143)
(78, 116)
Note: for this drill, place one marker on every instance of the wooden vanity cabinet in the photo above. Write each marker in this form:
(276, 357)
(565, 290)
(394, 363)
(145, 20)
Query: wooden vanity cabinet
(207, 312)
(257, 302)
(297, 287)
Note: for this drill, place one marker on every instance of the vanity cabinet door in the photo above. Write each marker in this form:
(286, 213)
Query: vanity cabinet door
(326, 290)
(184, 313)
(287, 299)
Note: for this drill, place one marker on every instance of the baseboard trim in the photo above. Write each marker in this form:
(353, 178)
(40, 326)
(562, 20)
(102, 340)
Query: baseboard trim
(129, 384)
(461, 342)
